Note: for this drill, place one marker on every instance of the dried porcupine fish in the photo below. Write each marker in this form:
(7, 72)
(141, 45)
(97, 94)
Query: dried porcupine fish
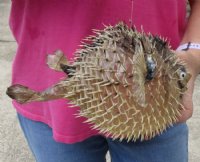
(128, 84)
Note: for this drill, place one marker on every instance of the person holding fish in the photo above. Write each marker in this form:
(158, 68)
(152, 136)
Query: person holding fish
(51, 128)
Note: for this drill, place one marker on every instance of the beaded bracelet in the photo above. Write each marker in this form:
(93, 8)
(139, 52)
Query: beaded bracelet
(189, 45)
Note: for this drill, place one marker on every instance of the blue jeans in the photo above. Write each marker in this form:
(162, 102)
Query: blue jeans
(171, 146)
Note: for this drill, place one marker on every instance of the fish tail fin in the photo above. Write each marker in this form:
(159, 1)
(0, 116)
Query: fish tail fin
(22, 94)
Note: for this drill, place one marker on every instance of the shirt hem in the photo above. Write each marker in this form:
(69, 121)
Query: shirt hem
(56, 136)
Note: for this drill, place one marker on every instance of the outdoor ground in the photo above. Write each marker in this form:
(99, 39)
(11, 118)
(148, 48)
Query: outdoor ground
(13, 147)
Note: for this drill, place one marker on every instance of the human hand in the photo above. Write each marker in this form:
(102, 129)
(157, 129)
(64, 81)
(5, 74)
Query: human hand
(187, 101)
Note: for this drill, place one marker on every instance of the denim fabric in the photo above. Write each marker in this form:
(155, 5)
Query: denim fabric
(171, 146)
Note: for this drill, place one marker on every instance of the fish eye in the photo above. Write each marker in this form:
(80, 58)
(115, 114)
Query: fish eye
(182, 75)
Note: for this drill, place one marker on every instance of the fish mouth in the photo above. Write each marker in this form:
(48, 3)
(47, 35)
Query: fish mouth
(181, 85)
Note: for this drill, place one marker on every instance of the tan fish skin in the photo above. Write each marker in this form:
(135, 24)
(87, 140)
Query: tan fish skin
(128, 84)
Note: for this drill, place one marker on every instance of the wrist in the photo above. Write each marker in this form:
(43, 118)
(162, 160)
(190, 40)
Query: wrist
(191, 54)
(194, 57)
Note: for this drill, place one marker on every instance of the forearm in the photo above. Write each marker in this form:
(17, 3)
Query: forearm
(192, 34)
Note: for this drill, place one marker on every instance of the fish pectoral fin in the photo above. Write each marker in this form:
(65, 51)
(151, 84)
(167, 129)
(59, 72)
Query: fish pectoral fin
(139, 76)
(139, 90)
(21, 93)
(55, 60)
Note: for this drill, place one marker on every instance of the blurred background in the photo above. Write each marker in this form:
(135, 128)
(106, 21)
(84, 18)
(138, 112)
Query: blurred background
(13, 147)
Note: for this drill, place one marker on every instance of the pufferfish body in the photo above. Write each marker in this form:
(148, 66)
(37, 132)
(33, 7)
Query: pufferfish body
(128, 84)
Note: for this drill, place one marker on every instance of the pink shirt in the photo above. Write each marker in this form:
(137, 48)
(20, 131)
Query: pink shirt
(42, 26)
